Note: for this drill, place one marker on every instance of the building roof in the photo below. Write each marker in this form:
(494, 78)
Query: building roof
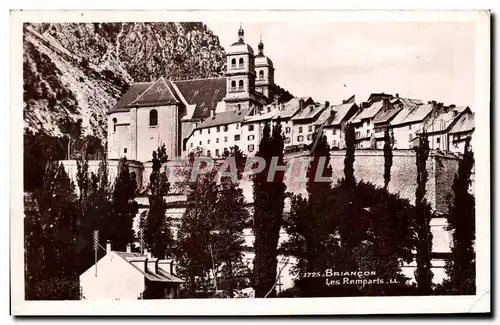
(368, 112)
(292, 107)
(262, 61)
(443, 121)
(464, 124)
(412, 114)
(132, 94)
(309, 112)
(161, 276)
(240, 47)
(225, 118)
(159, 93)
(205, 94)
(340, 113)
(385, 117)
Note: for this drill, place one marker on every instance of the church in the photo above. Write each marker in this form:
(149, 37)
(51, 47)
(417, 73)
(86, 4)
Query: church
(168, 111)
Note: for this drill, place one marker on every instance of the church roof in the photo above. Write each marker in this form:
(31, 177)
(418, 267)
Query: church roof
(132, 94)
(200, 94)
(159, 93)
(262, 60)
(240, 47)
(204, 93)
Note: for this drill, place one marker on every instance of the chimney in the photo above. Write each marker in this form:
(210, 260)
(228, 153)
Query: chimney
(147, 253)
(212, 113)
(327, 103)
(332, 113)
(129, 248)
(167, 266)
(397, 95)
(108, 246)
(282, 106)
(152, 265)
(301, 103)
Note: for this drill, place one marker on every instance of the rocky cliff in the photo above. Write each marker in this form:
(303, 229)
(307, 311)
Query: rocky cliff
(77, 72)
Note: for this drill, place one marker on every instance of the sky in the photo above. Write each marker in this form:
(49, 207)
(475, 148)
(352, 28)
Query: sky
(334, 60)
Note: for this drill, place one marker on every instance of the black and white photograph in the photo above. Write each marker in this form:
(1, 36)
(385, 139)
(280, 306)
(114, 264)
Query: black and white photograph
(227, 159)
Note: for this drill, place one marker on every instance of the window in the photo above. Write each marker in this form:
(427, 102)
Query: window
(217, 152)
(261, 74)
(208, 131)
(409, 127)
(191, 144)
(300, 129)
(114, 124)
(237, 126)
(217, 140)
(251, 137)
(124, 150)
(250, 127)
(368, 122)
(367, 133)
(225, 139)
(233, 63)
(334, 143)
(208, 141)
(241, 62)
(334, 131)
(201, 131)
(226, 128)
(153, 117)
(251, 148)
(357, 134)
(233, 84)
(309, 137)
(438, 140)
(287, 129)
(300, 138)
(218, 129)
(225, 150)
(310, 128)
(240, 85)
(201, 142)
(288, 140)
(236, 137)
(209, 154)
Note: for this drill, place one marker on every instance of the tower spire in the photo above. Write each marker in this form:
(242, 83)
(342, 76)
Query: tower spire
(241, 34)
(261, 46)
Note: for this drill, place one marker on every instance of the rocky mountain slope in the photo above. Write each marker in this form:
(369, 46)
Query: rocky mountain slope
(78, 71)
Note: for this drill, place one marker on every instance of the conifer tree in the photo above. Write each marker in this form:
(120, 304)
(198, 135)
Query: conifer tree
(461, 268)
(423, 273)
(311, 226)
(124, 207)
(51, 230)
(156, 227)
(268, 212)
(194, 239)
(231, 217)
(350, 142)
(388, 143)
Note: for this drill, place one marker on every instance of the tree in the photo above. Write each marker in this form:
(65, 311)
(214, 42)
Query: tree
(157, 228)
(231, 217)
(461, 268)
(124, 207)
(388, 143)
(350, 142)
(268, 212)
(311, 227)
(50, 237)
(194, 237)
(423, 273)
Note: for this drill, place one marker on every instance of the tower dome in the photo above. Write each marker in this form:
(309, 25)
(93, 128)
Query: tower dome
(262, 60)
(240, 46)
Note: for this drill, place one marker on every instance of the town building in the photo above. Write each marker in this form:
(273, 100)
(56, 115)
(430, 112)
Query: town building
(437, 128)
(167, 112)
(129, 276)
(463, 129)
(303, 124)
(363, 122)
(333, 122)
